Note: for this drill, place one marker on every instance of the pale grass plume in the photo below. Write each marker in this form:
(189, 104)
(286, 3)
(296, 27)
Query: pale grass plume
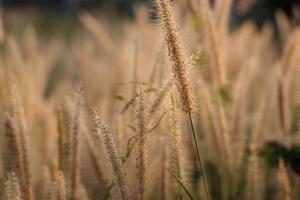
(26, 165)
(288, 63)
(174, 139)
(47, 184)
(21, 131)
(65, 137)
(60, 185)
(51, 193)
(218, 65)
(75, 132)
(105, 134)
(54, 185)
(12, 187)
(61, 139)
(13, 145)
(141, 158)
(253, 174)
(284, 181)
(179, 68)
(177, 59)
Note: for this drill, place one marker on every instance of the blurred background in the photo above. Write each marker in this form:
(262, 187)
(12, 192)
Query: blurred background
(113, 46)
(124, 7)
(259, 11)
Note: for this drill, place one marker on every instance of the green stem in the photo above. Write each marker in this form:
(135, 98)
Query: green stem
(181, 184)
(199, 158)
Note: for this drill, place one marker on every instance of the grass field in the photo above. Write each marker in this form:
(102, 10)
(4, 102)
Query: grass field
(177, 107)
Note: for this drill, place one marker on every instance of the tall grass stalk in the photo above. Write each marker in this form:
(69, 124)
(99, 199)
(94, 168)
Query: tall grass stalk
(104, 133)
(179, 66)
(141, 158)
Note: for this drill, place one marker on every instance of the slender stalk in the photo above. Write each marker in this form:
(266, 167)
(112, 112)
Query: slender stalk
(199, 158)
(181, 184)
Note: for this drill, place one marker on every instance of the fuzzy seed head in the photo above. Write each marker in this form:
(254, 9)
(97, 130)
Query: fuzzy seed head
(176, 57)
(12, 187)
(104, 131)
(141, 158)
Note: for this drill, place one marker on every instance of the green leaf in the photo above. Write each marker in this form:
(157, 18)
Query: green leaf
(181, 184)
(197, 21)
(131, 127)
(272, 152)
(198, 59)
(225, 95)
(295, 120)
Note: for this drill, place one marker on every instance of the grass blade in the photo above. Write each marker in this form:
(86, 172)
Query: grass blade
(181, 184)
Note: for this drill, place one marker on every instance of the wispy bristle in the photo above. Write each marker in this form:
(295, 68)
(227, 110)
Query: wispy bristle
(177, 59)
(175, 148)
(160, 95)
(60, 185)
(12, 187)
(13, 145)
(75, 134)
(141, 158)
(105, 134)
(21, 128)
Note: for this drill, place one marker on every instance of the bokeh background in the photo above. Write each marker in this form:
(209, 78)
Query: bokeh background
(257, 10)
(111, 48)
